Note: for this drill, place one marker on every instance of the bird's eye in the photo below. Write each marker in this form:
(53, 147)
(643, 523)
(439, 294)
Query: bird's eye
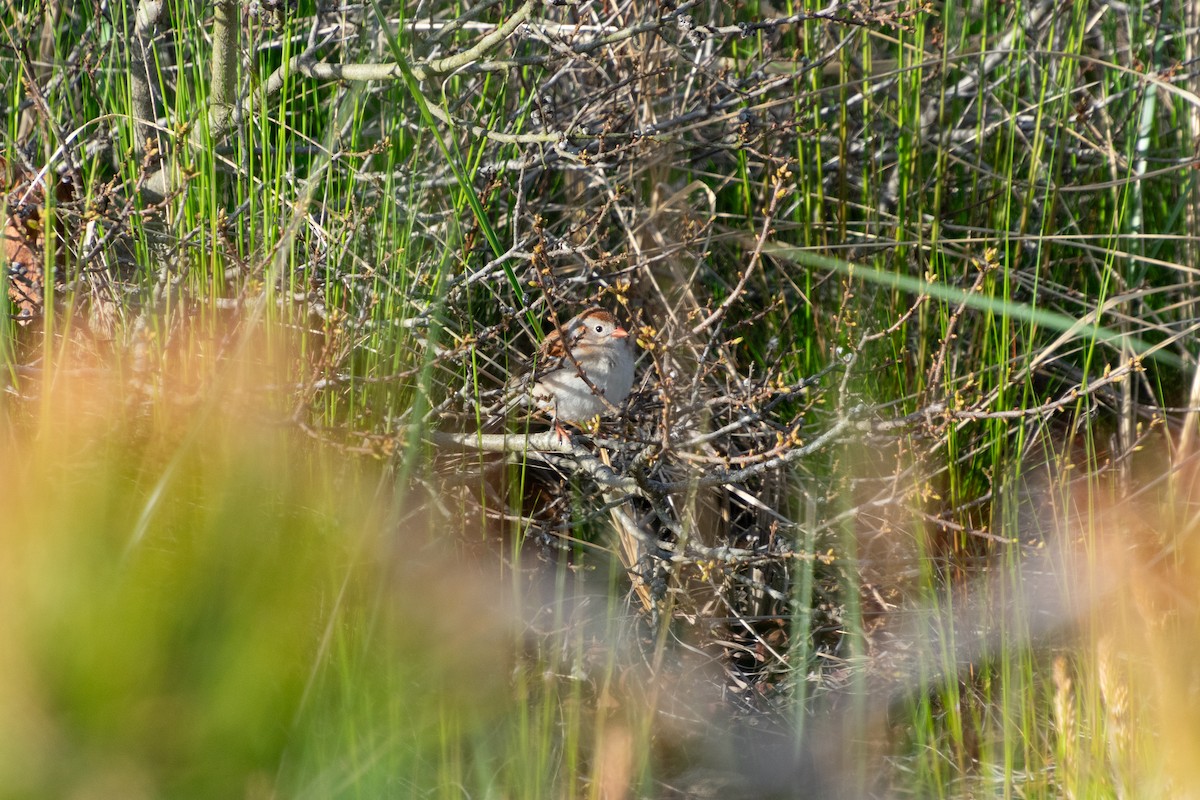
(599, 329)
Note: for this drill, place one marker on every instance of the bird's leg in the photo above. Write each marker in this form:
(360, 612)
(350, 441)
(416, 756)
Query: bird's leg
(559, 431)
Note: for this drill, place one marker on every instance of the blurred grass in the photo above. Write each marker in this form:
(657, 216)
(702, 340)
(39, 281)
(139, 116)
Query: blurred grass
(272, 628)
(173, 665)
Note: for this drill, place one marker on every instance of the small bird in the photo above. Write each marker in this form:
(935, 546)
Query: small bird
(583, 369)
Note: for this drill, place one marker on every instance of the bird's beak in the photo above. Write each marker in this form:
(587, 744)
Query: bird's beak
(619, 333)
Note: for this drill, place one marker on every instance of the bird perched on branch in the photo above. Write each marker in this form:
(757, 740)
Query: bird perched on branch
(583, 369)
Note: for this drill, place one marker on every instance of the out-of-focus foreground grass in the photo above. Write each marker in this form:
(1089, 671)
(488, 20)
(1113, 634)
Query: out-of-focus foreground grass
(198, 601)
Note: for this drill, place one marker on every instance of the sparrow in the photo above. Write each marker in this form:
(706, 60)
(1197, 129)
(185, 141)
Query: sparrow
(582, 370)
